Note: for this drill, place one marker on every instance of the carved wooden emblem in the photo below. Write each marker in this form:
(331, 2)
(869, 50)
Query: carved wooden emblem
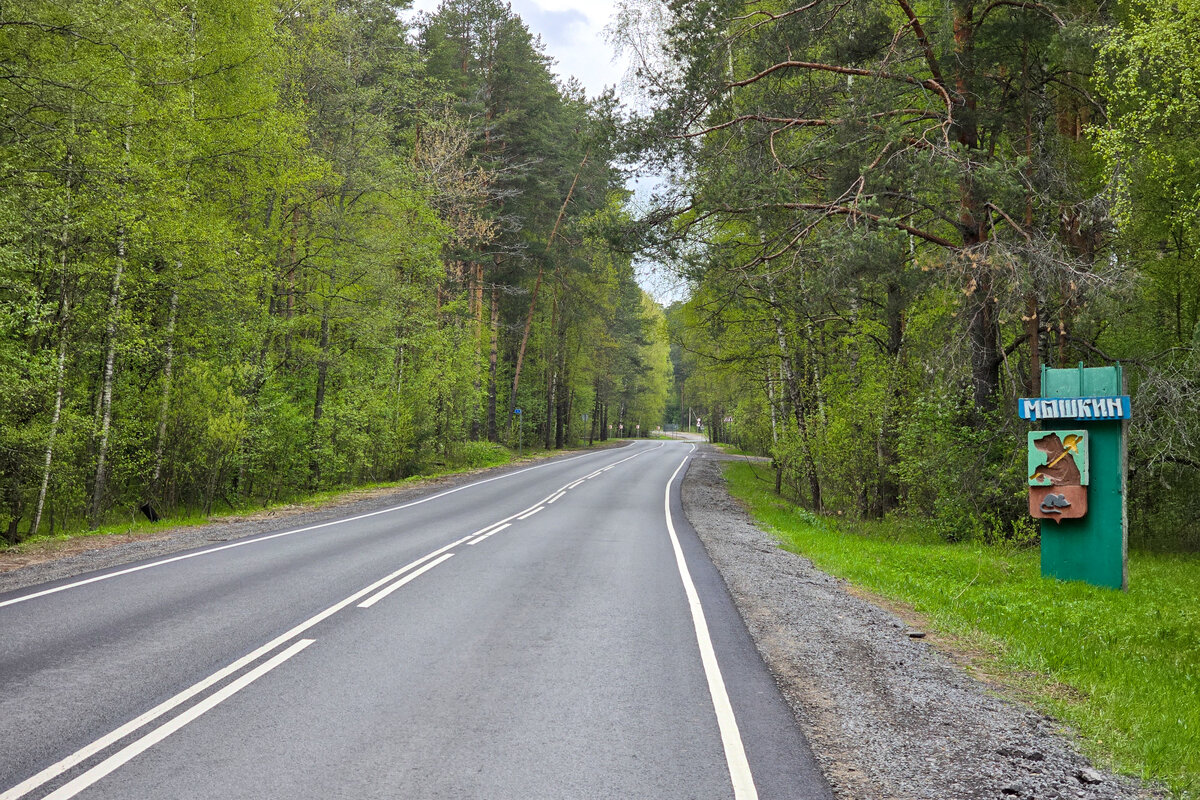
(1058, 474)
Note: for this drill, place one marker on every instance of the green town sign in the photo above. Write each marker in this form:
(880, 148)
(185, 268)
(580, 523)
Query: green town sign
(1077, 473)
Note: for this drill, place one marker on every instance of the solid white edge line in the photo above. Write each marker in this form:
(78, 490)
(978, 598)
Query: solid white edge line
(134, 749)
(375, 598)
(731, 739)
(59, 767)
(528, 514)
(258, 539)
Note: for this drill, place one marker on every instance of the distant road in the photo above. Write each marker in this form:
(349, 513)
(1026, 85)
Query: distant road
(554, 632)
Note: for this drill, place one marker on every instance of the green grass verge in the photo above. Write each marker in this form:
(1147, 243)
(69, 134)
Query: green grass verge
(733, 450)
(465, 457)
(1121, 668)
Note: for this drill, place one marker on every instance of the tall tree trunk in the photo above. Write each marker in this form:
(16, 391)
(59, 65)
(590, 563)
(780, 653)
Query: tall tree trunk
(771, 403)
(512, 397)
(319, 400)
(63, 326)
(512, 400)
(114, 309)
(165, 404)
(58, 398)
(492, 431)
(795, 398)
(983, 333)
(1033, 329)
(476, 305)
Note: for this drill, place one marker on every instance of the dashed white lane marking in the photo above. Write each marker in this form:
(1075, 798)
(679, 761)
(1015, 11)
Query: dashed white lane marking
(556, 497)
(79, 756)
(258, 539)
(136, 748)
(492, 532)
(484, 530)
(412, 576)
(731, 738)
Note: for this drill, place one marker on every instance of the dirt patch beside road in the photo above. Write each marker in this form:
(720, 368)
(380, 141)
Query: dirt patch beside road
(889, 716)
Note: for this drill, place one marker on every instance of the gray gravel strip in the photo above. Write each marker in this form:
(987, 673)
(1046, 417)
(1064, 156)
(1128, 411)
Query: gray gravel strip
(888, 716)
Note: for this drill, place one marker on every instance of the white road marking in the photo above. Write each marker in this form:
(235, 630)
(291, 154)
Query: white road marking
(482, 531)
(530, 513)
(131, 751)
(256, 540)
(731, 738)
(410, 577)
(573, 485)
(556, 497)
(79, 756)
(492, 532)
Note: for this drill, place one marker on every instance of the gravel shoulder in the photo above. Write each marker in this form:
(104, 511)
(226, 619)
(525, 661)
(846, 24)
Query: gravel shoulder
(889, 716)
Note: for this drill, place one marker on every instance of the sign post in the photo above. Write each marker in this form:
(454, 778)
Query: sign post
(1077, 474)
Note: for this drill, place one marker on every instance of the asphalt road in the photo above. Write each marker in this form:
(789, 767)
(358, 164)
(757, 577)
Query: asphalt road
(553, 632)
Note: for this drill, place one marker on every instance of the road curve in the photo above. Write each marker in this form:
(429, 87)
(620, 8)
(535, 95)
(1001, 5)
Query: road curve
(552, 632)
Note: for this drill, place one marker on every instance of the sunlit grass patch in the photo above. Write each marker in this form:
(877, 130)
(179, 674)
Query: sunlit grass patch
(1121, 668)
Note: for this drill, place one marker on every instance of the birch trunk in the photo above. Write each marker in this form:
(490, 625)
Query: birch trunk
(165, 405)
(64, 321)
(58, 398)
(114, 308)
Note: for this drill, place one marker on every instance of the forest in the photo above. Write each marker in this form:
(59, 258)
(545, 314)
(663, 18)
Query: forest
(253, 249)
(893, 213)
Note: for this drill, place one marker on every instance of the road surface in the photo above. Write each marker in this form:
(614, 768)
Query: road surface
(550, 632)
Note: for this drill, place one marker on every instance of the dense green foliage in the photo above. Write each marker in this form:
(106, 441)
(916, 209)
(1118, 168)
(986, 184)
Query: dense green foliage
(892, 214)
(242, 249)
(1120, 668)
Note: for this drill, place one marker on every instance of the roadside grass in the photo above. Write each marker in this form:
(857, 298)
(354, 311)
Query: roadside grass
(466, 457)
(733, 450)
(1121, 668)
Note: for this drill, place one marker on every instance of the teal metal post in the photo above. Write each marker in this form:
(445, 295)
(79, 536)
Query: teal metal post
(1094, 548)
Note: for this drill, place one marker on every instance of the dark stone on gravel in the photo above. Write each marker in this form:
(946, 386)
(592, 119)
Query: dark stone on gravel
(889, 718)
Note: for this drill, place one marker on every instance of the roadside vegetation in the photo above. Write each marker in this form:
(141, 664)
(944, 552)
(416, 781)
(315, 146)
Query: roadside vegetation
(893, 214)
(468, 457)
(1120, 668)
(251, 251)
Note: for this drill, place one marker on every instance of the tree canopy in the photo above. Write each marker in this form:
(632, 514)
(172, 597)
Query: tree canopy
(251, 249)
